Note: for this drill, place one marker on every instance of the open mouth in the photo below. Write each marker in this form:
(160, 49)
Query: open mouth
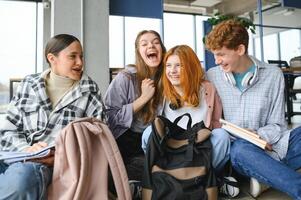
(152, 56)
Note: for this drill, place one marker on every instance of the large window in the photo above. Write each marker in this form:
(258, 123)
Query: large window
(279, 46)
(133, 26)
(179, 29)
(175, 29)
(123, 32)
(290, 43)
(20, 39)
(270, 47)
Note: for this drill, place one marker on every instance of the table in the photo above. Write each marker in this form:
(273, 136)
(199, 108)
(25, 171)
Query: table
(289, 75)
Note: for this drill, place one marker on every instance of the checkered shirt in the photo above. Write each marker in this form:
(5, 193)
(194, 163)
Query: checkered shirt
(259, 107)
(31, 118)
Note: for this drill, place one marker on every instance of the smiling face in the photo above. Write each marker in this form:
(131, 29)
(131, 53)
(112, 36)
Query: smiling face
(68, 62)
(173, 70)
(150, 49)
(229, 59)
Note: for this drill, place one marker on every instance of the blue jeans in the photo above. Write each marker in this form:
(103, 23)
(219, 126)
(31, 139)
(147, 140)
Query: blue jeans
(250, 160)
(24, 181)
(220, 141)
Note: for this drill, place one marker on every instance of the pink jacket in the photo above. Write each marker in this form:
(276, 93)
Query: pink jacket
(85, 149)
(214, 104)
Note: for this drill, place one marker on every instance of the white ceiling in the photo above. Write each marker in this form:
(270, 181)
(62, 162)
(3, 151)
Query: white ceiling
(205, 3)
(273, 13)
(237, 7)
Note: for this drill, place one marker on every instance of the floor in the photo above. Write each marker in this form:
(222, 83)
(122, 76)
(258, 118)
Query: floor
(270, 194)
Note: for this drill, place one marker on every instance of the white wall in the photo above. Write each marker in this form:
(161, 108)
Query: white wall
(89, 21)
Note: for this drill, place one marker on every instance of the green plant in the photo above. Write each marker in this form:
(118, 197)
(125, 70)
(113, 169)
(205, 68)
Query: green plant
(217, 18)
(247, 23)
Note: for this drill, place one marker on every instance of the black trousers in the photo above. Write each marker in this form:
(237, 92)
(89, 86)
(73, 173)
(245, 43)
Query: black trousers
(129, 144)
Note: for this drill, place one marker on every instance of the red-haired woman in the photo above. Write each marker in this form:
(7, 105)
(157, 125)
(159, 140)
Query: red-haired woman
(186, 91)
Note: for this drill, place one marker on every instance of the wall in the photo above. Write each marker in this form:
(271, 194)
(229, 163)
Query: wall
(89, 21)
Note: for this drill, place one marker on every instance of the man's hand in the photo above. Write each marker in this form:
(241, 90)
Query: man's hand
(269, 147)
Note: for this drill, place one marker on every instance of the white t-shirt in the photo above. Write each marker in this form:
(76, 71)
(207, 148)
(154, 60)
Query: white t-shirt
(197, 113)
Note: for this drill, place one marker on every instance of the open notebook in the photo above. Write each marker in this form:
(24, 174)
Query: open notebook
(243, 133)
(9, 157)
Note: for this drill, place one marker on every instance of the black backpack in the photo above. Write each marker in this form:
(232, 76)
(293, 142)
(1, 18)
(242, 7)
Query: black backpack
(178, 162)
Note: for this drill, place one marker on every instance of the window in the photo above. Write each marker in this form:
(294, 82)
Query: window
(200, 47)
(270, 47)
(290, 43)
(179, 29)
(21, 36)
(123, 32)
(133, 25)
(116, 41)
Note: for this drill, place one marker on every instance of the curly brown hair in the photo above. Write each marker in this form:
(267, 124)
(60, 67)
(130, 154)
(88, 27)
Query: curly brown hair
(230, 34)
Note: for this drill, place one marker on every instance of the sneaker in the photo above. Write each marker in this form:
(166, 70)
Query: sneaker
(257, 188)
(136, 189)
(230, 187)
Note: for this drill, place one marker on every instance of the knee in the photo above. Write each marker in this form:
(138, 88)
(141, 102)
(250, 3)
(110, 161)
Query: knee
(239, 149)
(20, 179)
(220, 138)
(145, 137)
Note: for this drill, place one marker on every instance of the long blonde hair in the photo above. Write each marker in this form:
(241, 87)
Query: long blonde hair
(192, 75)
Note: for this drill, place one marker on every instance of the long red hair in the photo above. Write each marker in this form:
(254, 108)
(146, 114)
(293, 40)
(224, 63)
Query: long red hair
(191, 77)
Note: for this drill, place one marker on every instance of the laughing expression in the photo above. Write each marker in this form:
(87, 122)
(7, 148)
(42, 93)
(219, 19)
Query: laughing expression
(227, 59)
(150, 49)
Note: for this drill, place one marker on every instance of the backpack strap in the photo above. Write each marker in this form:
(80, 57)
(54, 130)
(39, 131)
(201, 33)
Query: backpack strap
(114, 158)
(181, 116)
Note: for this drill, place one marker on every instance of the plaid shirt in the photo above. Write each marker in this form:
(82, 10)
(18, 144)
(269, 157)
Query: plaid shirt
(259, 106)
(31, 118)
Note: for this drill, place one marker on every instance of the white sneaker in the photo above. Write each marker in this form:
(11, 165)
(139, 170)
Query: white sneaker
(257, 188)
(230, 187)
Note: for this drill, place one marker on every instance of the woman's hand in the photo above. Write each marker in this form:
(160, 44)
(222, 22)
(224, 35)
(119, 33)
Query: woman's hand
(49, 160)
(36, 147)
(147, 89)
(147, 92)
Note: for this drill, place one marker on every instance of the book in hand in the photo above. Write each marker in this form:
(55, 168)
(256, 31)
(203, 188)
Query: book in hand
(10, 157)
(243, 133)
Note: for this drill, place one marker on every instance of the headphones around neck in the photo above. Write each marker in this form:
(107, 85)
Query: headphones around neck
(248, 79)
